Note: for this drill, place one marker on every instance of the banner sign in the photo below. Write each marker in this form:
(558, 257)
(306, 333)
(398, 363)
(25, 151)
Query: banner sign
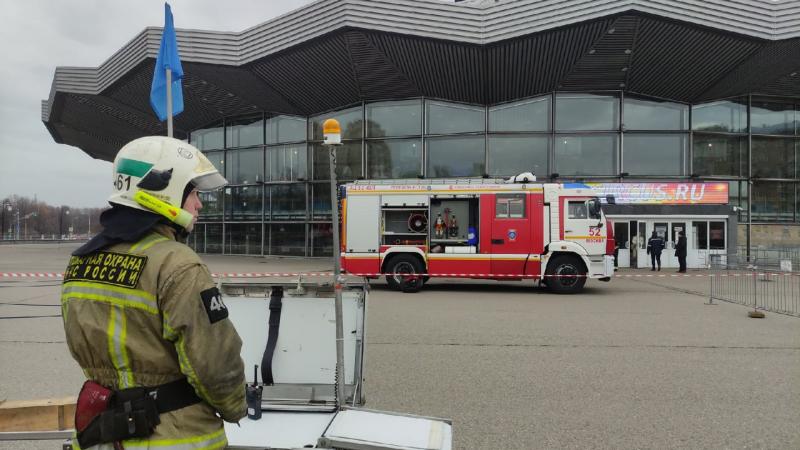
(664, 193)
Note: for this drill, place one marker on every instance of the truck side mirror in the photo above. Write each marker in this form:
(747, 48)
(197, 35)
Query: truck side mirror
(594, 206)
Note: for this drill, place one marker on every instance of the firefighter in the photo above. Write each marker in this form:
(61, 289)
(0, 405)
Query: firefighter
(654, 247)
(142, 316)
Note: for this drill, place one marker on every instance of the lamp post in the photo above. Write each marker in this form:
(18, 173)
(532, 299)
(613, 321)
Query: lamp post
(16, 230)
(8, 206)
(61, 221)
(333, 138)
(3, 220)
(25, 218)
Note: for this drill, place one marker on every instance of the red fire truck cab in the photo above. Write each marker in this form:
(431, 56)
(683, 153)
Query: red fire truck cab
(411, 230)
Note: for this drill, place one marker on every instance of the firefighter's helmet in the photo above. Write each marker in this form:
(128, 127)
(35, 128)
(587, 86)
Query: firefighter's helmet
(152, 173)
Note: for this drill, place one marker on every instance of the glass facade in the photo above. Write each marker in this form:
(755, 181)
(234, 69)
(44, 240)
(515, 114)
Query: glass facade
(278, 201)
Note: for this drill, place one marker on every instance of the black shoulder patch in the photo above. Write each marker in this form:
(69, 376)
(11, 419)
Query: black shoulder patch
(212, 301)
(116, 269)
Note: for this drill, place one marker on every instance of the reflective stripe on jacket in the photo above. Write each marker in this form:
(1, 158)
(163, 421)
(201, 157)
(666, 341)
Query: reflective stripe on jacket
(134, 316)
(655, 245)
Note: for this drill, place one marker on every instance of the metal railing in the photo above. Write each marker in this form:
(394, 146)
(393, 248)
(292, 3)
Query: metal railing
(772, 256)
(759, 285)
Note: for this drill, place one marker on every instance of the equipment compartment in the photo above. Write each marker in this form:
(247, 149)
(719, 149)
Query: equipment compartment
(451, 222)
(404, 226)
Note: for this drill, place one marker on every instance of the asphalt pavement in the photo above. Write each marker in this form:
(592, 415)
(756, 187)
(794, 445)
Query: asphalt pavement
(637, 363)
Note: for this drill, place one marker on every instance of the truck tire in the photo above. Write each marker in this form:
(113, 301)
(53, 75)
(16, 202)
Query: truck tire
(565, 275)
(408, 270)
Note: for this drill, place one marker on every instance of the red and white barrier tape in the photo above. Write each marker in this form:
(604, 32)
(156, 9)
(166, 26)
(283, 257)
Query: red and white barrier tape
(58, 275)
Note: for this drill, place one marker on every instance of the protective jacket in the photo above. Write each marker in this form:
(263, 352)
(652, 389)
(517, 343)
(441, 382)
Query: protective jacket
(147, 313)
(655, 245)
(680, 247)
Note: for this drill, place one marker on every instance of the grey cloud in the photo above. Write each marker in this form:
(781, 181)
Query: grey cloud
(40, 35)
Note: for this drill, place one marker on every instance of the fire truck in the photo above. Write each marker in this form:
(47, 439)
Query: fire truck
(515, 229)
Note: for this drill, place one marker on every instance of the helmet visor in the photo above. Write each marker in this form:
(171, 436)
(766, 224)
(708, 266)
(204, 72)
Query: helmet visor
(209, 182)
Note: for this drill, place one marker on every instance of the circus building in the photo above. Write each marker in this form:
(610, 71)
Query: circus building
(686, 111)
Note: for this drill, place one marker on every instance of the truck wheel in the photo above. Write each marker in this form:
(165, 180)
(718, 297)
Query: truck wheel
(565, 275)
(406, 270)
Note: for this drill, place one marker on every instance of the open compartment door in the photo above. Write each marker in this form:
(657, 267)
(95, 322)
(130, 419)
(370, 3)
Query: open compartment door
(304, 361)
(364, 429)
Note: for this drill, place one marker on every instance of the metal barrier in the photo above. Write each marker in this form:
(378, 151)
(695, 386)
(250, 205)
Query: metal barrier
(772, 257)
(736, 280)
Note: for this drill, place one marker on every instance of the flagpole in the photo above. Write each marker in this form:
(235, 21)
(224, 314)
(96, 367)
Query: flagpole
(169, 102)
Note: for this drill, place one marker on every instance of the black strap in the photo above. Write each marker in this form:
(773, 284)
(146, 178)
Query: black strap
(275, 305)
(174, 395)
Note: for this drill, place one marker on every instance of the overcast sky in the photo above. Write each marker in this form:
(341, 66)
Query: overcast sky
(39, 35)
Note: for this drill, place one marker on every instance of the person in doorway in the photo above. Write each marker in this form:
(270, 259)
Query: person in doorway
(142, 315)
(680, 251)
(654, 247)
(634, 250)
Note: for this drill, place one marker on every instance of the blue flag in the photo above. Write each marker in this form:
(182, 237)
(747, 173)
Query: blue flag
(168, 58)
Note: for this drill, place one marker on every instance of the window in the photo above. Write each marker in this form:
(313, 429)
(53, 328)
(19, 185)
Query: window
(448, 118)
(509, 206)
(218, 160)
(527, 115)
(288, 239)
(244, 132)
(350, 120)
(655, 115)
(212, 205)
(197, 238)
(321, 239)
(402, 118)
(769, 117)
(514, 154)
(700, 234)
(773, 201)
(577, 210)
(724, 116)
(287, 162)
(772, 157)
(456, 156)
(348, 161)
(719, 155)
(243, 203)
(586, 112)
(737, 196)
(243, 238)
(210, 138)
(288, 201)
(586, 155)
(321, 201)
(716, 234)
(245, 165)
(654, 154)
(214, 238)
(281, 129)
(399, 158)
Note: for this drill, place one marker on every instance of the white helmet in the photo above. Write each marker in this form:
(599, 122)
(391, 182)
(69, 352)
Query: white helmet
(151, 174)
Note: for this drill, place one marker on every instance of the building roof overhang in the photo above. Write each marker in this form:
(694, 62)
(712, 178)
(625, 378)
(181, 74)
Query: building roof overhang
(330, 54)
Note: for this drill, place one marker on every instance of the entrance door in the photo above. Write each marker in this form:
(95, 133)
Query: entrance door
(662, 231)
(633, 244)
(623, 244)
(675, 228)
(697, 252)
(642, 258)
